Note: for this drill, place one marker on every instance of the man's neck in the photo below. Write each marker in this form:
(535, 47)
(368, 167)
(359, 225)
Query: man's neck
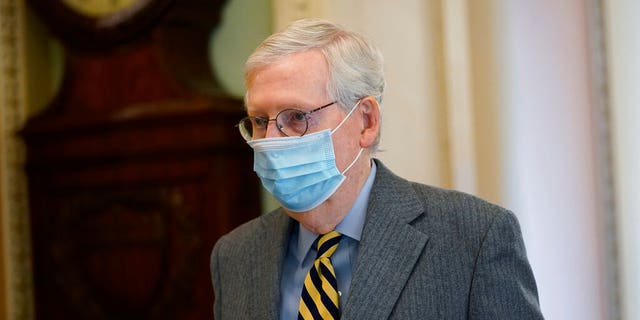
(329, 214)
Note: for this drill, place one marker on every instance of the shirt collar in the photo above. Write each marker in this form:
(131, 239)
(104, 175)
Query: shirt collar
(352, 224)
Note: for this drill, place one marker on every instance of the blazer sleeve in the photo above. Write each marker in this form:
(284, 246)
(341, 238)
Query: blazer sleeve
(215, 279)
(503, 285)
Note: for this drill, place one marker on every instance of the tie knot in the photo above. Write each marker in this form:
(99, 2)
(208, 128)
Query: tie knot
(328, 243)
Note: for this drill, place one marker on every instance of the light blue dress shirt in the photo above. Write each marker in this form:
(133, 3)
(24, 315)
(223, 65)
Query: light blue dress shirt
(301, 252)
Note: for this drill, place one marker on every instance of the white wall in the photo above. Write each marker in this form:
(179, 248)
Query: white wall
(549, 152)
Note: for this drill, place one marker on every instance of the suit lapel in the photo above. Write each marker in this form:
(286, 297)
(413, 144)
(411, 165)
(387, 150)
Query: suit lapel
(268, 262)
(389, 248)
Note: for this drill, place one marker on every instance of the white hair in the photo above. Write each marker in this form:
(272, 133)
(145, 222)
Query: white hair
(355, 64)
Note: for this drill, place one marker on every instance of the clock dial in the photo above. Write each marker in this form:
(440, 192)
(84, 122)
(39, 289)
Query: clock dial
(103, 8)
(99, 24)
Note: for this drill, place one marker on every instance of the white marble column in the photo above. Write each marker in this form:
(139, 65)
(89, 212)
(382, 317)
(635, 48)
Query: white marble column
(623, 49)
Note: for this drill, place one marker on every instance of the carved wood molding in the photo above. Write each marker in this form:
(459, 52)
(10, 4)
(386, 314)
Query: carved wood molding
(13, 114)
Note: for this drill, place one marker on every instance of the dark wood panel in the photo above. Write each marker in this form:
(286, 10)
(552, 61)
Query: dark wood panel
(135, 170)
(124, 216)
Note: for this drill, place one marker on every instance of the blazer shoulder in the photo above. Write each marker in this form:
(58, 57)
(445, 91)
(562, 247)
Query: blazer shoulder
(457, 204)
(457, 215)
(252, 231)
(436, 205)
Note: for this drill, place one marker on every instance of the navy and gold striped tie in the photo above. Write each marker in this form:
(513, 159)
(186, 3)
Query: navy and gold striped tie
(319, 298)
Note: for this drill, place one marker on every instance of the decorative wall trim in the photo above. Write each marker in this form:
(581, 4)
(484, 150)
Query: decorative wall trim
(13, 113)
(604, 162)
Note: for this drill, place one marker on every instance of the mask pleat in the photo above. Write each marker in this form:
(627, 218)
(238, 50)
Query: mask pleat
(295, 156)
(300, 201)
(294, 171)
(291, 185)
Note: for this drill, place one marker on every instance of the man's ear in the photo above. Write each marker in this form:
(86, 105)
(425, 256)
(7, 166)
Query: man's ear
(370, 111)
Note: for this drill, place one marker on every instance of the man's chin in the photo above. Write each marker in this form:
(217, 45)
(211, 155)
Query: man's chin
(298, 213)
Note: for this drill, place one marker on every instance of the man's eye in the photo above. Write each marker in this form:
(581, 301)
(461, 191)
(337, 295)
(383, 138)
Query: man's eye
(260, 122)
(298, 116)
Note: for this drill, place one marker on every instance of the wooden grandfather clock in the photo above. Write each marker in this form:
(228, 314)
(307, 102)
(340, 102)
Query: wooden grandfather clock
(135, 169)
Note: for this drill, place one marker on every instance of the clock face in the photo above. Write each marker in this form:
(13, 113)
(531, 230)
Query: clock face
(104, 8)
(99, 24)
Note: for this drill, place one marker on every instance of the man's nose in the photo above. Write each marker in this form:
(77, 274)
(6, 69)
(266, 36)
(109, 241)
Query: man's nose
(272, 130)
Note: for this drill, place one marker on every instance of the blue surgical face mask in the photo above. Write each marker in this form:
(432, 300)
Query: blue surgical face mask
(300, 172)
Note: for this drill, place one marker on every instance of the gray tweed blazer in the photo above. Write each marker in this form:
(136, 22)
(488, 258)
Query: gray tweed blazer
(425, 253)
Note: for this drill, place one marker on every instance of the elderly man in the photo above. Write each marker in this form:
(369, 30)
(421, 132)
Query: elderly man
(352, 240)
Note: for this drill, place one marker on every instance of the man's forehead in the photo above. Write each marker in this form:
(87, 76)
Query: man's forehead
(299, 82)
(301, 64)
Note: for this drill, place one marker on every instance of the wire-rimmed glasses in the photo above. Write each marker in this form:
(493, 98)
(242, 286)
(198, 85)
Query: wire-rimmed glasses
(291, 122)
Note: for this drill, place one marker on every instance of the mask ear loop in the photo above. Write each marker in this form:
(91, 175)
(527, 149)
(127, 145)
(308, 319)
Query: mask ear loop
(340, 125)
(347, 117)
(354, 161)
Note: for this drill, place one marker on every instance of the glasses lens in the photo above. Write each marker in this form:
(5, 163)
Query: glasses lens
(292, 122)
(246, 128)
(253, 128)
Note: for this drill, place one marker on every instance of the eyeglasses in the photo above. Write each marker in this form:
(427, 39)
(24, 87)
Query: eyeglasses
(291, 122)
